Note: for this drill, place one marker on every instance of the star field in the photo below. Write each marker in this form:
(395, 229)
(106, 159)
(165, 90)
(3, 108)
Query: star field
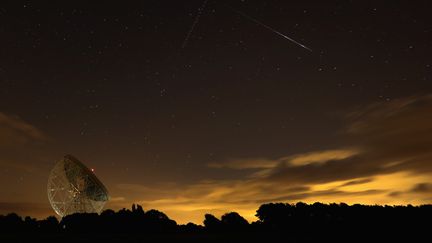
(164, 123)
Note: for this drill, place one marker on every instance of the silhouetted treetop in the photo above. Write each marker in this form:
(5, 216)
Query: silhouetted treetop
(299, 221)
(233, 220)
(212, 223)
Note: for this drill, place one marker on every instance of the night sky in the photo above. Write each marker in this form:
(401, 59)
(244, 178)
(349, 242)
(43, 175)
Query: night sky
(232, 117)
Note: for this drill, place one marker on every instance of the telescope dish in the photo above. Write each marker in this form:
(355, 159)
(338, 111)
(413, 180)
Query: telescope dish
(73, 188)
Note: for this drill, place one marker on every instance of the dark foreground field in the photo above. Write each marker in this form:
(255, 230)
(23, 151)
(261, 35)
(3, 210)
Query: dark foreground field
(276, 223)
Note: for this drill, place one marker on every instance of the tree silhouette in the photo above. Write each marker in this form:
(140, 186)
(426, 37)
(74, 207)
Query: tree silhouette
(11, 222)
(276, 221)
(234, 222)
(212, 223)
(50, 224)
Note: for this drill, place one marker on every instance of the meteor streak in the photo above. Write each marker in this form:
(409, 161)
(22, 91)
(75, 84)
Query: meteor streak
(200, 10)
(269, 28)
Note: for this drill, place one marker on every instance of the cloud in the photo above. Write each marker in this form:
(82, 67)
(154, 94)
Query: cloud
(320, 157)
(17, 135)
(422, 188)
(316, 157)
(38, 210)
(259, 163)
(312, 167)
(14, 131)
(388, 138)
(28, 168)
(357, 182)
(117, 199)
(386, 159)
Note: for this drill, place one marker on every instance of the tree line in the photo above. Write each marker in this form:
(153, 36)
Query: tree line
(275, 221)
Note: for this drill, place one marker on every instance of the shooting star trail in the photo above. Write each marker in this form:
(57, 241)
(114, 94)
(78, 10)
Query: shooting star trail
(269, 28)
(200, 10)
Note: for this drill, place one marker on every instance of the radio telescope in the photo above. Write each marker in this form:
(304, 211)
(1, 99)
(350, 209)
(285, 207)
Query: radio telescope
(73, 188)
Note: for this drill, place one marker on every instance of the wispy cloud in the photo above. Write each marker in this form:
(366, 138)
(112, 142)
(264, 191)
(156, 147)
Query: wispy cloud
(38, 210)
(14, 130)
(240, 164)
(13, 165)
(385, 160)
(315, 157)
(320, 157)
(17, 135)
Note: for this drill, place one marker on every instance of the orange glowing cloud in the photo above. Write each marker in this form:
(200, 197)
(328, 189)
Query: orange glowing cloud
(386, 161)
